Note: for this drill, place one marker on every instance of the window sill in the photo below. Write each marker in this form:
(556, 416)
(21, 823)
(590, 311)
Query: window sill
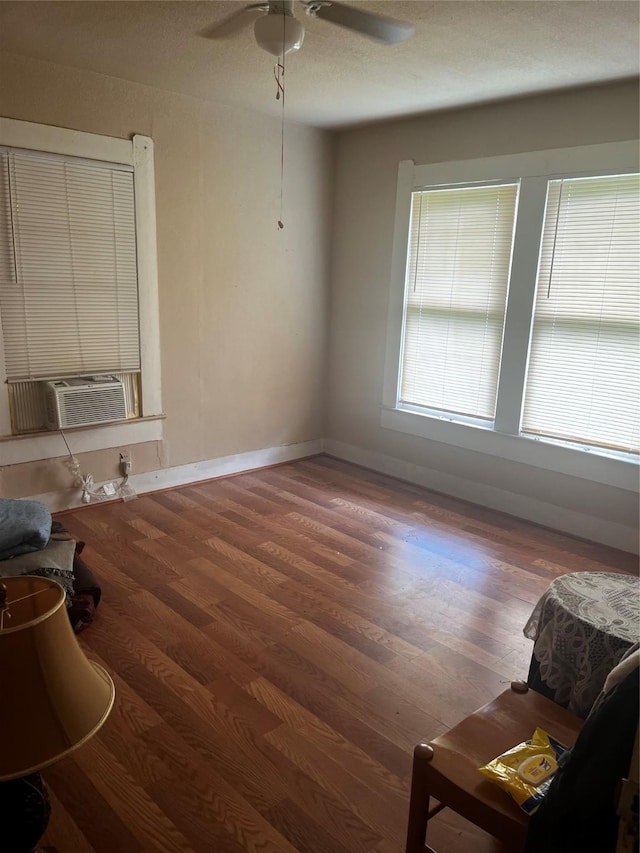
(16, 449)
(593, 465)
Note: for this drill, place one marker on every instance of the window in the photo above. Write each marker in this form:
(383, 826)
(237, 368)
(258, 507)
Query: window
(78, 280)
(456, 291)
(514, 319)
(583, 382)
(68, 280)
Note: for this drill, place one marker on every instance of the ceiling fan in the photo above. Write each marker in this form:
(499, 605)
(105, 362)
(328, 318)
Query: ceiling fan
(278, 31)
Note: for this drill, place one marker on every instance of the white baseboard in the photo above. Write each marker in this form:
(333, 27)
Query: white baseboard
(182, 475)
(521, 506)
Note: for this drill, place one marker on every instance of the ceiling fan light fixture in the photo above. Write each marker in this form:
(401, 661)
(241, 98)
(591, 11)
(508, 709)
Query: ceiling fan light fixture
(278, 34)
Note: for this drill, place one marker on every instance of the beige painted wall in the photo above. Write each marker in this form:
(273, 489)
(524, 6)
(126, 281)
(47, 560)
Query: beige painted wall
(242, 305)
(366, 174)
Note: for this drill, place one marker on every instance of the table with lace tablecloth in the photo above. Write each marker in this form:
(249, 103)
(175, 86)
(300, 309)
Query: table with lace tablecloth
(581, 627)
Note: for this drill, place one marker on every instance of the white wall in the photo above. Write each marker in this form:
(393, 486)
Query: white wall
(366, 173)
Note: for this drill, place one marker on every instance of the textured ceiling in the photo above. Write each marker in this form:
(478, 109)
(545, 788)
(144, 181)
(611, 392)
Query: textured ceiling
(462, 52)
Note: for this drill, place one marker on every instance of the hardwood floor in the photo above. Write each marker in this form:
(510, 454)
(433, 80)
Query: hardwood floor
(280, 641)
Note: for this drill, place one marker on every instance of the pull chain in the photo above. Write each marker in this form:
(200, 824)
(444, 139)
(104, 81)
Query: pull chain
(279, 75)
(280, 92)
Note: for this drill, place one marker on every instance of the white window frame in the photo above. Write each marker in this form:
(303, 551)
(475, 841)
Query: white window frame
(138, 153)
(503, 437)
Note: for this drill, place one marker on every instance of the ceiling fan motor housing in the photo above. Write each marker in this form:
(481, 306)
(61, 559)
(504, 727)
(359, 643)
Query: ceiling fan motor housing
(279, 31)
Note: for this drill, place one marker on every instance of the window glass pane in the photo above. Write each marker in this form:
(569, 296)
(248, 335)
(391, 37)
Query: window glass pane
(459, 258)
(583, 380)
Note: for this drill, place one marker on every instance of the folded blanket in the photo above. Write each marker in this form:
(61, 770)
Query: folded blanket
(55, 562)
(25, 526)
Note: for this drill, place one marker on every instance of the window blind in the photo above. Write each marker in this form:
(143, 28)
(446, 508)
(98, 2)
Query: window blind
(68, 271)
(583, 381)
(459, 256)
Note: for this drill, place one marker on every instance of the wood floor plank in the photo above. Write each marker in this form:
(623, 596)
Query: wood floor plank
(302, 831)
(150, 824)
(279, 641)
(64, 829)
(213, 812)
(350, 715)
(375, 809)
(244, 566)
(104, 826)
(317, 731)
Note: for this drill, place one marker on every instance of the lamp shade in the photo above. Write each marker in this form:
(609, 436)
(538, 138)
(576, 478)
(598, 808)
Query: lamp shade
(278, 33)
(52, 698)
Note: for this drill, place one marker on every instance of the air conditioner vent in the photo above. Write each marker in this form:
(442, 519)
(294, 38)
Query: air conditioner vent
(84, 401)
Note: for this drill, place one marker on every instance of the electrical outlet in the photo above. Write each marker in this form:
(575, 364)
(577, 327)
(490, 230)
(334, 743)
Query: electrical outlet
(125, 462)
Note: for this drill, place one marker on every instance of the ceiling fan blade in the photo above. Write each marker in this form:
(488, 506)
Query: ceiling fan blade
(235, 22)
(378, 27)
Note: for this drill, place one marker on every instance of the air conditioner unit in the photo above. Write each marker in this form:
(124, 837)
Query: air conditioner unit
(84, 401)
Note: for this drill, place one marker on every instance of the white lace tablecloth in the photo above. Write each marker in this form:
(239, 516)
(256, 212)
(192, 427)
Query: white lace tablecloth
(581, 627)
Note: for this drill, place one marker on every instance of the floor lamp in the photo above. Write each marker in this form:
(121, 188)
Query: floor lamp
(52, 700)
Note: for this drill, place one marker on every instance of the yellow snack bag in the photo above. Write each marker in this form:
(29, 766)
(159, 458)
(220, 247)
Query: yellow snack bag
(526, 770)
